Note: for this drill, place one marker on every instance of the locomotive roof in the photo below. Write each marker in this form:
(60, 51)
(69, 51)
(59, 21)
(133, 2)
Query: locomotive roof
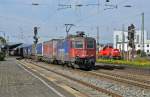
(54, 40)
(81, 37)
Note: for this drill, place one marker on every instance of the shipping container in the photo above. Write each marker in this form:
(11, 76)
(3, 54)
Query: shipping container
(63, 50)
(50, 49)
(39, 49)
(29, 50)
(46, 49)
(25, 51)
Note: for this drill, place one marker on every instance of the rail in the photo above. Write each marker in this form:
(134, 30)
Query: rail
(81, 82)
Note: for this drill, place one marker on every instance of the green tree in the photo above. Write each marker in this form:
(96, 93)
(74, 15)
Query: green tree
(2, 41)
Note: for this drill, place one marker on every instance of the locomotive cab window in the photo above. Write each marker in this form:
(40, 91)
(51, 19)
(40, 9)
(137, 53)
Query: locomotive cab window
(77, 44)
(90, 44)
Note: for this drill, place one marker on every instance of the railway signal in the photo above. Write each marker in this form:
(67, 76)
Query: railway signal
(131, 34)
(107, 0)
(35, 35)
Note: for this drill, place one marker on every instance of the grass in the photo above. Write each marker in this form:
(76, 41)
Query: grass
(138, 62)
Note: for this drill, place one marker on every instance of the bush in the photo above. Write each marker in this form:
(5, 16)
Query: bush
(2, 56)
(138, 52)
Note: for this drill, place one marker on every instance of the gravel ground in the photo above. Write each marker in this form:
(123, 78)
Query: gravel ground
(124, 90)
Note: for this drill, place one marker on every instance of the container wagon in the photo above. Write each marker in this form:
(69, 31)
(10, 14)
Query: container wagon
(77, 51)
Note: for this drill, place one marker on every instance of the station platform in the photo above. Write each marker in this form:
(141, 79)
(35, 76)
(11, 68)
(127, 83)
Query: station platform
(18, 82)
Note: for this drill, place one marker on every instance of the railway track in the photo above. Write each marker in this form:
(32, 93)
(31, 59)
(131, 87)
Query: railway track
(145, 84)
(134, 70)
(123, 79)
(128, 79)
(79, 81)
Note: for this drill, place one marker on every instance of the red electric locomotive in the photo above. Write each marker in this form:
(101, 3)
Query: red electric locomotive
(77, 51)
(82, 51)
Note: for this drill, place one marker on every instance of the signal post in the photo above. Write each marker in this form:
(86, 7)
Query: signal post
(35, 37)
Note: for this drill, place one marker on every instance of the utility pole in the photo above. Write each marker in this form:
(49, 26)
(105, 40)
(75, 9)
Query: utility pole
(3, 32)
(142, 36)
(98, 44)
(123, 40)
(7, 39)
(68, 27)
(97, 35)
(21, 34)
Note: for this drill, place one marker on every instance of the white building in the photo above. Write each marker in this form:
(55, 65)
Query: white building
(119, 43)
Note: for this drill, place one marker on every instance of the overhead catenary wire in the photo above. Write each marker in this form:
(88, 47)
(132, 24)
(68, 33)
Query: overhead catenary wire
(84, 19)
(96, 14)
(125, 19)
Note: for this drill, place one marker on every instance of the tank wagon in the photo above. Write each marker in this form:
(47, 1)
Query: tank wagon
(77, 51)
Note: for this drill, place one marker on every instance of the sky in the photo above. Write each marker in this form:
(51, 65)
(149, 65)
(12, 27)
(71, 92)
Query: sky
(18, 17)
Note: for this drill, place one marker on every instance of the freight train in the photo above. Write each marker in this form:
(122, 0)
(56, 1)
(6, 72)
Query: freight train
(77, 51)
(109, 52)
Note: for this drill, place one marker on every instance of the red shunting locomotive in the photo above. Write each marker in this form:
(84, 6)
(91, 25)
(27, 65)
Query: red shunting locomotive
(110, 53)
